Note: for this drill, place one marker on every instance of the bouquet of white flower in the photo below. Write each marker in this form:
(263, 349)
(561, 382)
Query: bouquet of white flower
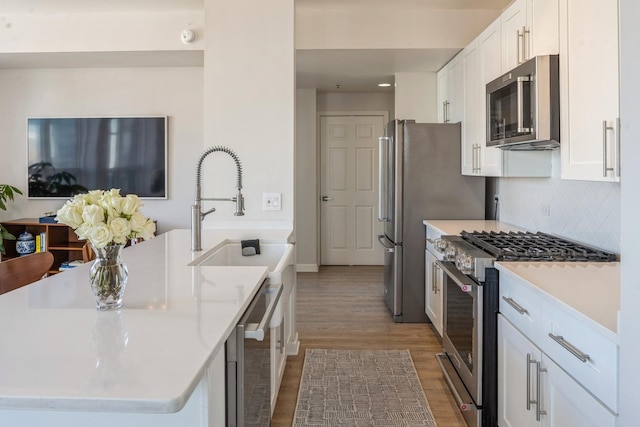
(106, 218)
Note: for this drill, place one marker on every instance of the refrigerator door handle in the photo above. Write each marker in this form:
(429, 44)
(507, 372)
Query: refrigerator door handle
(382, 239)
(383, 169)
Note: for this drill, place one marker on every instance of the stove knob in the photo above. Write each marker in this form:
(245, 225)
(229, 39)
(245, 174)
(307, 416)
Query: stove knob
(464, 263)
(440, 245)
(450, 253)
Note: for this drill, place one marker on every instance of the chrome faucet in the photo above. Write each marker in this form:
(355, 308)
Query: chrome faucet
(196, 209)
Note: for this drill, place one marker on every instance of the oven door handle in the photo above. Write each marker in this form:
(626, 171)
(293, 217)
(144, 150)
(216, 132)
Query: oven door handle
(255, 331)
(464, 282)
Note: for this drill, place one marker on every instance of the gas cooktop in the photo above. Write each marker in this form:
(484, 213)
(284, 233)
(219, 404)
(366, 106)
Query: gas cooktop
(527, 246)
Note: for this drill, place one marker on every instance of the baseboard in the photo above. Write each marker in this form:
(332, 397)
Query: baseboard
(307, 268)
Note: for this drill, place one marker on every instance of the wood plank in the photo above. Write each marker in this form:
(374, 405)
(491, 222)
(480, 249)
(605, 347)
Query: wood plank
(342, 307)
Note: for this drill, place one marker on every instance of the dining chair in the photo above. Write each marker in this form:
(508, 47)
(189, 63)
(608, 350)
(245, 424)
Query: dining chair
(20, 271)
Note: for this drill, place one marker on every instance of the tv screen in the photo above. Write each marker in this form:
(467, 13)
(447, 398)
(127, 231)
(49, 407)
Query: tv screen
(68, 156)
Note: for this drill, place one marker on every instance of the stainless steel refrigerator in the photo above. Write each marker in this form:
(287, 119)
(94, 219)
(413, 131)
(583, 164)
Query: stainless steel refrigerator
(420, 178)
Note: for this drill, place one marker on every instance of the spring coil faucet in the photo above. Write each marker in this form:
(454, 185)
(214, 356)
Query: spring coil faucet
(196, 209)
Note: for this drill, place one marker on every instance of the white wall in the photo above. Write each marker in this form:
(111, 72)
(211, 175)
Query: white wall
(584, 211)
(249, 97)
(306, 215)
(175, 92)
(416, 97)
(630, 291)
(356, 101)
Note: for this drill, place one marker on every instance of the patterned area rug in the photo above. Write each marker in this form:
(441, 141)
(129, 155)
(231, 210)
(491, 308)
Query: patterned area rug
(361, 388)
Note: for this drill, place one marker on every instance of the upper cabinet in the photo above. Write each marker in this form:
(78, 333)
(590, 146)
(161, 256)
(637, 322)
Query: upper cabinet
(589, 90)
(489, 68)
(529, 28)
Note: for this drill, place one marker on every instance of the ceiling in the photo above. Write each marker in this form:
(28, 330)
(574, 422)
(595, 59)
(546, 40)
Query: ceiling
(361, 70)
(353, 70)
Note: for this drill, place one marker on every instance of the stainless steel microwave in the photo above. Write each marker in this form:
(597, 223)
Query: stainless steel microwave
(523, 107)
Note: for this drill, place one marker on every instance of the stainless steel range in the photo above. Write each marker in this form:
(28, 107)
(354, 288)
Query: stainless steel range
(471, 288)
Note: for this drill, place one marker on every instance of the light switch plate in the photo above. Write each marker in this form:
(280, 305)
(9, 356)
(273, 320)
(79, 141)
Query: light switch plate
(271, 201)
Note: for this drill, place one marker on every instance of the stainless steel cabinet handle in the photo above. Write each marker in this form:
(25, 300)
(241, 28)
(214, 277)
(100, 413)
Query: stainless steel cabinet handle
(517, 307)
(518, 44)
(570, 347)
(446, 112)
(529, 362)
(605, 156)
(617, 147)
(525, 52)
(539, 411)
(326, 198)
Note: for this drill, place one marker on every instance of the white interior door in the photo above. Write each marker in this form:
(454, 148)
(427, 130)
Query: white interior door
(349, 190)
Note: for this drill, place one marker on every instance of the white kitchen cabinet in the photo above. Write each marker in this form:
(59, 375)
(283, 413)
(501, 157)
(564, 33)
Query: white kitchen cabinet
(434, 280)
(589, 90)
(471, 120)
(489, 67)
(442, 79)
(529, 28)
(455, 94)
(534, 391)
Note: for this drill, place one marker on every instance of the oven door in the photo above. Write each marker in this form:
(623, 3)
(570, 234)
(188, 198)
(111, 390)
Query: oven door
(462, 339)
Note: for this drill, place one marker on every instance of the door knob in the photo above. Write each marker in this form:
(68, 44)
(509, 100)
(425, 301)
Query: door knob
(326, 198)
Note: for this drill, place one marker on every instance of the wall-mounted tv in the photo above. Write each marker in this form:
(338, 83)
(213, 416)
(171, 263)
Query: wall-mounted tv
(71, 155)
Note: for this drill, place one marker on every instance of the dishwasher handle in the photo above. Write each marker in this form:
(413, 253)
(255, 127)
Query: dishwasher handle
(256, 331)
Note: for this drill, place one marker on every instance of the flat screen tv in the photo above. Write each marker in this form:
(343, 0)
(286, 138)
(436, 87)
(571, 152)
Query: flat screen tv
(71, 155)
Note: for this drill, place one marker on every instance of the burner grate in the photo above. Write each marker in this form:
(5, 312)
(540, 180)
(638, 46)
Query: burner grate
(527, 246)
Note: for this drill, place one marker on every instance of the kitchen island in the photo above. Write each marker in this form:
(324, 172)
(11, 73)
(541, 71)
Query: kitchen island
(159, 361)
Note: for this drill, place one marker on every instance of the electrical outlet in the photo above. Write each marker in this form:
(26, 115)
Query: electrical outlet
(545, 209)
(271, 201)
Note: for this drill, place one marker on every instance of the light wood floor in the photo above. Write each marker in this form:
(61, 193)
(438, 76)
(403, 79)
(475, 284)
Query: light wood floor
(342, 308)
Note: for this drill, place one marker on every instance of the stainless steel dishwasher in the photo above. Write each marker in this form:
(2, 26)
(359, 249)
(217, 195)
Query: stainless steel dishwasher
(248, 354)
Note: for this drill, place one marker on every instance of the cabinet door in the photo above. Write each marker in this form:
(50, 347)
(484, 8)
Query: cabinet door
(543, 22)
(489, 57)
(589, 89)
(513, 369)
(471, 112)
(455, 89)
(433, 291)
(443, 82)
(567, 404)
(514, 22)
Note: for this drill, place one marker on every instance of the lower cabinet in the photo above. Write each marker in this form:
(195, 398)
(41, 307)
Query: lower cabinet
(534, 391)
(434, 279)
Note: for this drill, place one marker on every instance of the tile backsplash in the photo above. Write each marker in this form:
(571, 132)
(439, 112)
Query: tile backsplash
(584, 211)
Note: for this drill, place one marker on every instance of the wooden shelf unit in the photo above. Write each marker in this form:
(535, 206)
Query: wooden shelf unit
(61, 240)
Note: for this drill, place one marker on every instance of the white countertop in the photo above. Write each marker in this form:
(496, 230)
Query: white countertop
(58, 352)
(454, 227)
(590, 289)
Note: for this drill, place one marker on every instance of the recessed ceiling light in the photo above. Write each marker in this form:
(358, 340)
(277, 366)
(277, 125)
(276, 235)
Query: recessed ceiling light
(384, 84)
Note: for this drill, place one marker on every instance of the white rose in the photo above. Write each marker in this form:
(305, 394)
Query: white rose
(120, 228)
(93, 214)
(69, 215)
(138, 221)
(93, 197)
(130, 204)
(100, 235)
(148, 230)
(83, 231)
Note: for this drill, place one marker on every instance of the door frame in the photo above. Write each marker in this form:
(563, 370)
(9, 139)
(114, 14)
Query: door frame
(319, 116)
